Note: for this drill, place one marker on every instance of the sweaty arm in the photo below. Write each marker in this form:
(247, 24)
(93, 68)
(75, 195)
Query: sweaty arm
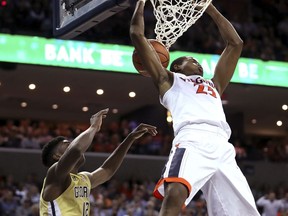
(58, 175)
(148, 56)
(228, 60)
(113, 162)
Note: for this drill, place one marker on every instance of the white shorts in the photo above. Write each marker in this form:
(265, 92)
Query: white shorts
(202, 159)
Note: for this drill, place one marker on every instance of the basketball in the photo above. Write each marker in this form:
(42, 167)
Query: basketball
(162, 52)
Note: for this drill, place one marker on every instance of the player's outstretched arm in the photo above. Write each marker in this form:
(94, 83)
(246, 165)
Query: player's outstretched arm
(80, 144)
(148, 56)
(228, 60)
(113, 162)
(57, 178)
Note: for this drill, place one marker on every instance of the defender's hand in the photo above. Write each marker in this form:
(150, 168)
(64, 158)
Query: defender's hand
(96, 119)
(141, 129)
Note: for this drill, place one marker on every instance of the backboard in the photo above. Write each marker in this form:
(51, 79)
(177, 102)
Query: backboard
(73, 17)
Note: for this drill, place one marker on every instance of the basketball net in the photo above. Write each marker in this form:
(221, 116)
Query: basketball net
(174, 17)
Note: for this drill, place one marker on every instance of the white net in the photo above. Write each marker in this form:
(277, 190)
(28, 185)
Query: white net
(174, 17)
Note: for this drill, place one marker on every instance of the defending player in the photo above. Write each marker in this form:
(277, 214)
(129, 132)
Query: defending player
(66, 191)
(201, 157)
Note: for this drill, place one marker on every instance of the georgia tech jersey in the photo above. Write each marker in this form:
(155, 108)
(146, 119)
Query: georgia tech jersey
(74, 201)
(194, 100)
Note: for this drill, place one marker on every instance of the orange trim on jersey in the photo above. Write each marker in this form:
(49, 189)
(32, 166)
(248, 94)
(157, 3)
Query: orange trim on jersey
(170, 179)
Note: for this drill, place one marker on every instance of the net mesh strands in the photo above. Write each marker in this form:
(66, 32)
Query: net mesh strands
(174, 17)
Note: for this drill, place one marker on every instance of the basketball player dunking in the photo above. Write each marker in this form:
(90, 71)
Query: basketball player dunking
(66, 191)
(201, 157)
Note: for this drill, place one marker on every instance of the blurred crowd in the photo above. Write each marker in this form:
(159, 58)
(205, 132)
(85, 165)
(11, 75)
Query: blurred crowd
(28, 134)
(262, 24)
(125, 198)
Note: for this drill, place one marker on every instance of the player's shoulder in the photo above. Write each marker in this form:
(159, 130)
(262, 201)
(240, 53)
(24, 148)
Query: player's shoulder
(85, 174)
(53, 177)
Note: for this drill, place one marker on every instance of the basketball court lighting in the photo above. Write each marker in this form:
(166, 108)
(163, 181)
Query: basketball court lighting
(23, 104)
(169, 119)
(279, 123)
(132, 94)
(55, 106)
(99, 91)
(114, 111)
(254, 121)
(32, 86)
(85, 109)
(224, 102)
(66, 89)
(285, 107)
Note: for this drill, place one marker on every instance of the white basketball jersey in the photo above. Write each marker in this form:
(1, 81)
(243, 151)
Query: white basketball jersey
(194, 100)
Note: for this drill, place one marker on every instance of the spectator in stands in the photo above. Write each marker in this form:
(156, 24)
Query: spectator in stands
(8, 203)
(36, 14)
(21, 12)
(150, 209)
(285, 205)
(270, 205)
(24, 209)
(29, 141)
(240, 150)
(33, 194)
